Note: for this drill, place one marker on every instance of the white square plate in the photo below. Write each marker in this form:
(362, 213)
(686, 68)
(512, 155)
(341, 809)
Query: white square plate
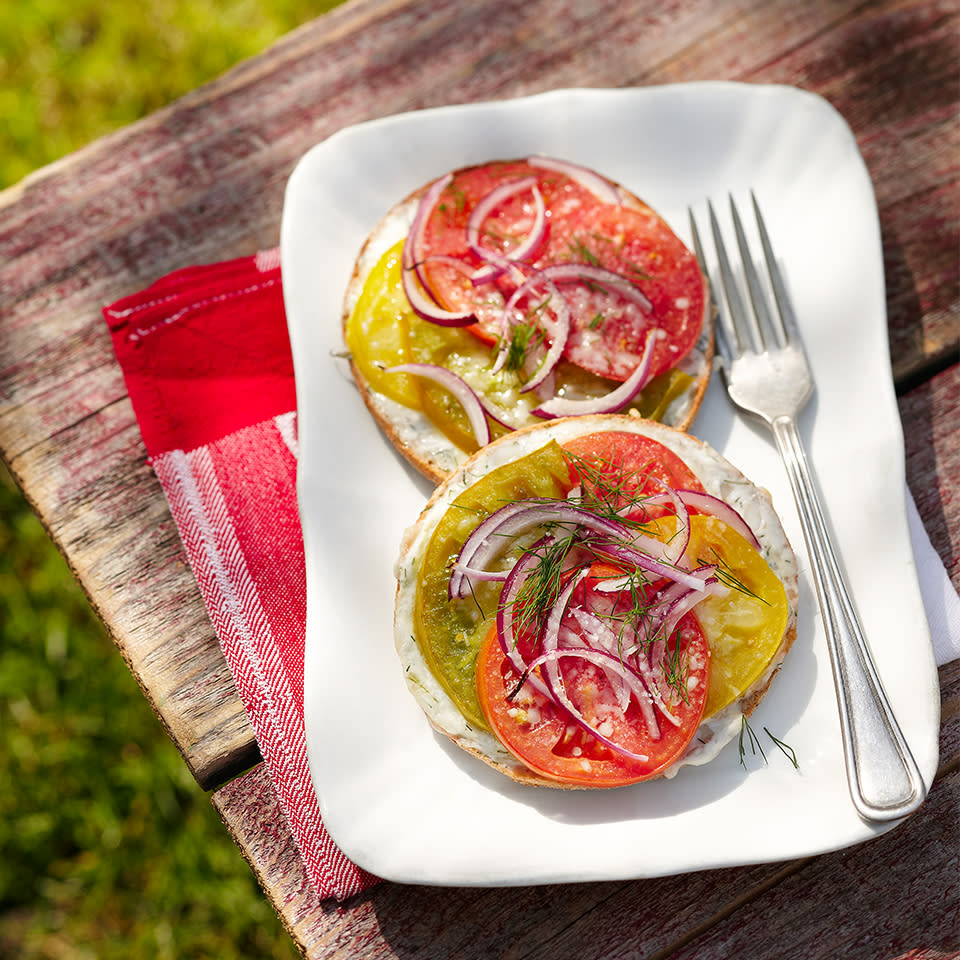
(401, 801)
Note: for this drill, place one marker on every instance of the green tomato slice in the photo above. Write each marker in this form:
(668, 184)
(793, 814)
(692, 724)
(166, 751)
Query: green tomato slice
(449, 633)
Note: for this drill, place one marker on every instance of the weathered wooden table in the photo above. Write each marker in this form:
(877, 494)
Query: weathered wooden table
(203, 180)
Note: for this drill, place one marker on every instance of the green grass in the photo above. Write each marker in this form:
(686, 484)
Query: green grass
(108, 849)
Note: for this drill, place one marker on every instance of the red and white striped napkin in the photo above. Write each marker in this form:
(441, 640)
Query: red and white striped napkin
(206, 359)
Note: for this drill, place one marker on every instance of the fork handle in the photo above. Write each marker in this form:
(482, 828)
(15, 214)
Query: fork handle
(885, 782)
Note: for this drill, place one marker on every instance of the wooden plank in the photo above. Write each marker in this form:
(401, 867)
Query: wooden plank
(397, 920)
(686, 916)
(930, 415)
(905, 882)
(203, 180)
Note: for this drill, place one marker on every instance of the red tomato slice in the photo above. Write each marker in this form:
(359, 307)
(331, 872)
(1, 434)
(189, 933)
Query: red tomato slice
(629, 465)
(546, 740)
(445, 233)
(610, 332)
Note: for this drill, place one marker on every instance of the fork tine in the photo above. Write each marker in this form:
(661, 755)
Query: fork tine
(723, 328)
(735, 318)
(785, 315)
(761, 320)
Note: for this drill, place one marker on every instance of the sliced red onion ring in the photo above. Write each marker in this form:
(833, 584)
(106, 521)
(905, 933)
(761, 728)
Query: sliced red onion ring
(412, 256)
(619, 584)
(688, 601)
(427, 309)
(601, 659)
(506, 610)
(675, 591)
(598, 277)
(676, 546)
(673, 548)
(625, 553)
(494, 267)
(722, 511)
(657, 653)
(493, 412)
(611, 402)
(490, 202)
(650, 681)
(557, 330)
(550, 635)
(479, 573)
(548, 387)
(556, 324)
(599, 186)
(448, 260)
(486, 542)
(636, 660)
(494, 534)
(459, 388)
(415, 287)
(506, 320)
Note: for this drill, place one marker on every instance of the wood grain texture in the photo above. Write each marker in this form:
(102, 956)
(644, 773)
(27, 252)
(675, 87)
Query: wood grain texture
(906, 879)
(203, 180)
(930, 415)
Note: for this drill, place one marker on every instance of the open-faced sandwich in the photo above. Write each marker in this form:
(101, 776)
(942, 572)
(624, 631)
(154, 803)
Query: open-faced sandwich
(594, 602)
(510, 292)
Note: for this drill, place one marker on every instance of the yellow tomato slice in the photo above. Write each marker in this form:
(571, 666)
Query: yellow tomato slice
(383, 331)
(660, 392)
(745, 627)
(378, 331)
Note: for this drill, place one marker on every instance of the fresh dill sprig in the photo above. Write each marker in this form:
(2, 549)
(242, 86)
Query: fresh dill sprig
(603, 485)
(525, 336)
(594, 286)
(755, 746)
(752, 739)
(632, 613)
(610, 492)
(676, 669)
(539, 592)
(581, 252)
(479, 511)
(785, 749)
(727, 577)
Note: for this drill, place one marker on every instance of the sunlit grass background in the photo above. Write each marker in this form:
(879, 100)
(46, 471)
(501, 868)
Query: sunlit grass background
(108, 849)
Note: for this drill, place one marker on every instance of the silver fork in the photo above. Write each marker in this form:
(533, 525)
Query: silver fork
(768, 376)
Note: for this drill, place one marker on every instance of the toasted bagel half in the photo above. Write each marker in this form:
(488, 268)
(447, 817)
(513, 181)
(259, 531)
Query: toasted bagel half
(749, 622)
(605, 273)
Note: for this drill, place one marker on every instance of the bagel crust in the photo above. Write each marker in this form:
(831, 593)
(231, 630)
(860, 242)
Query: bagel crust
(410, 430)
(718, 477)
